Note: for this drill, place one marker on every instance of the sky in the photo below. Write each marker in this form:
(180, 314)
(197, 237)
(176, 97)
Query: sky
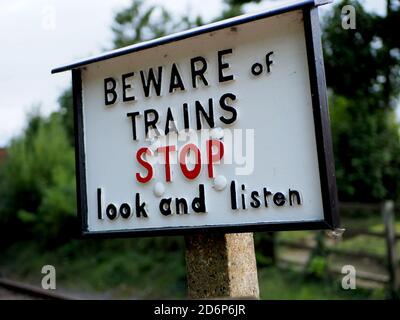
(37, 36)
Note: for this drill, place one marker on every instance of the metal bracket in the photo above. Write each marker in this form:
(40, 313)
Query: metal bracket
(336, 234)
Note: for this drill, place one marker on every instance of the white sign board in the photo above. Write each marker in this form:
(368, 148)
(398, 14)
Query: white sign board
(224, 126)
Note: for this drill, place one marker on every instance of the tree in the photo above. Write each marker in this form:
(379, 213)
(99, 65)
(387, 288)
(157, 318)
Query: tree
(370, 72)
(234, 8)
(37, 184)
(134, 24)
(364, 83)
(67, 114)
(139, 22)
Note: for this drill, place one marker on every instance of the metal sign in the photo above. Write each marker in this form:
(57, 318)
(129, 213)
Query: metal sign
(220, 127)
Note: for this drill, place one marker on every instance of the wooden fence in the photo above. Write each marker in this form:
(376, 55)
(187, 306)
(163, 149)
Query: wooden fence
(387, 211)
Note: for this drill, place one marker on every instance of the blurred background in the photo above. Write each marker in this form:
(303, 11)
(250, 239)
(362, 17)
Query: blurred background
(38, 224)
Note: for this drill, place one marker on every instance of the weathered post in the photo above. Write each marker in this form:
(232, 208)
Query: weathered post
(221, 265)
(388, 220)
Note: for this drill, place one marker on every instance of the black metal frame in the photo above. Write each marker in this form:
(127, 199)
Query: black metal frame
(322, 133)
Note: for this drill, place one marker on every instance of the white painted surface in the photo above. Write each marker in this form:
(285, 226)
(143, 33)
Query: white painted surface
(276, 106)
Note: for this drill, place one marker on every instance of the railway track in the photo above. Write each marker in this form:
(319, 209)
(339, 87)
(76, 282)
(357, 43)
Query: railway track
(14, 290)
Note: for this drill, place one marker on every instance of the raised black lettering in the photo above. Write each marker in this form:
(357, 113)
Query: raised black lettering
(223, 65)
(198, 72)
(279, 199)
(256, 203)
(268, 61)
(176, 80)
(140, 207)
(294, 194)
(111, 211)
(201, 113)
(266, 194)
(150, 123)
(165, 206)
(226, 107)
(133, 116)
(170, 119)
(233, 195)
(199, 203)
(126, 86)
(186, 116)
(125, 210)
(110, 90)
(243, 196)
(181, 206)
(151, 81)
(99, 209)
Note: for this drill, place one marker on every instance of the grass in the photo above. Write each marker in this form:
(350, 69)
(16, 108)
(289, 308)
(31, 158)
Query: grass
(147, 268)
(365, 244)
(360, 243)
(373, 223)
(155, 267)
(135, 268)
(296, 236)
(276, 284)
(379, 227)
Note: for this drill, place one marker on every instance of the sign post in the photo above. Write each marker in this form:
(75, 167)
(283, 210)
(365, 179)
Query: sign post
(221, 265)
(209, 132)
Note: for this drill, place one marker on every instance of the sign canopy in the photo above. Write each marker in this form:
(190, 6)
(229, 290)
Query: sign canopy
(223, 127)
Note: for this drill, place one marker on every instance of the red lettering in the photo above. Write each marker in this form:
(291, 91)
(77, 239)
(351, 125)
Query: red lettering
(145, 164)
(213, 157)
(190, 174)
(167, 150)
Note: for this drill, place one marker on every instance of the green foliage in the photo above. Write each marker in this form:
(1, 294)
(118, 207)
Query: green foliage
(317, 264)
(362, 71)
(118, 268)
(351, 73)
(365, 244)
(264, 243)
(139, 268)
(67, 114)
(37, 185)
(367, 151)
(361, 63)
(139, 22)
(277, 284)
(234, 8)
(317, 267)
